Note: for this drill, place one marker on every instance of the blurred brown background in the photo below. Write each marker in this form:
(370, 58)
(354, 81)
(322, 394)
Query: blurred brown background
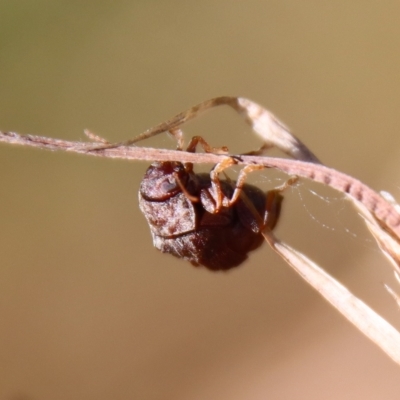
(88, 309)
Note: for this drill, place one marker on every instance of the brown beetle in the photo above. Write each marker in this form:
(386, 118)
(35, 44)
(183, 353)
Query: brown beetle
(202, 219)
(199, 217)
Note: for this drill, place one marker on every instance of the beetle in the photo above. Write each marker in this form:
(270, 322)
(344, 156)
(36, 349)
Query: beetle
(200, 218)
(207, 221)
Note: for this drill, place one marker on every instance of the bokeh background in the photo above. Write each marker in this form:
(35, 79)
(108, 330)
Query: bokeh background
(88, 309)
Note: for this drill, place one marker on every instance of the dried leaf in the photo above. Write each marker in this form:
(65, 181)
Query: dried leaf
(356, 311)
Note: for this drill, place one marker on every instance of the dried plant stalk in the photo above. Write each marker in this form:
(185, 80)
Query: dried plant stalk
(381, 209)
(356, 311)
(272, 131)
(381, 215)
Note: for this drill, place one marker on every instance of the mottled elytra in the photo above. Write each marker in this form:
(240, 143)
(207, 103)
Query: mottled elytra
(204, 220)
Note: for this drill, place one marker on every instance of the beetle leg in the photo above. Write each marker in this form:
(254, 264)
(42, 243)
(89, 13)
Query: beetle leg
(177, 133)
(190, 197)
(274, 197)
(241, 180)
(226, 163)
(196, 140)
(215, 183)
(289, 182)
(258, 152)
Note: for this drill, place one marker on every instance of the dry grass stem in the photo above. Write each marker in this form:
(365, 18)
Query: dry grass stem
(272, 131)
(356, 311)
(384, 211)
(380, 212)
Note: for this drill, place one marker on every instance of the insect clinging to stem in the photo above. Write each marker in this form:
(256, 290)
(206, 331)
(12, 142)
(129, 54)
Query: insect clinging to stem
(205, 220)
(202, 219)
